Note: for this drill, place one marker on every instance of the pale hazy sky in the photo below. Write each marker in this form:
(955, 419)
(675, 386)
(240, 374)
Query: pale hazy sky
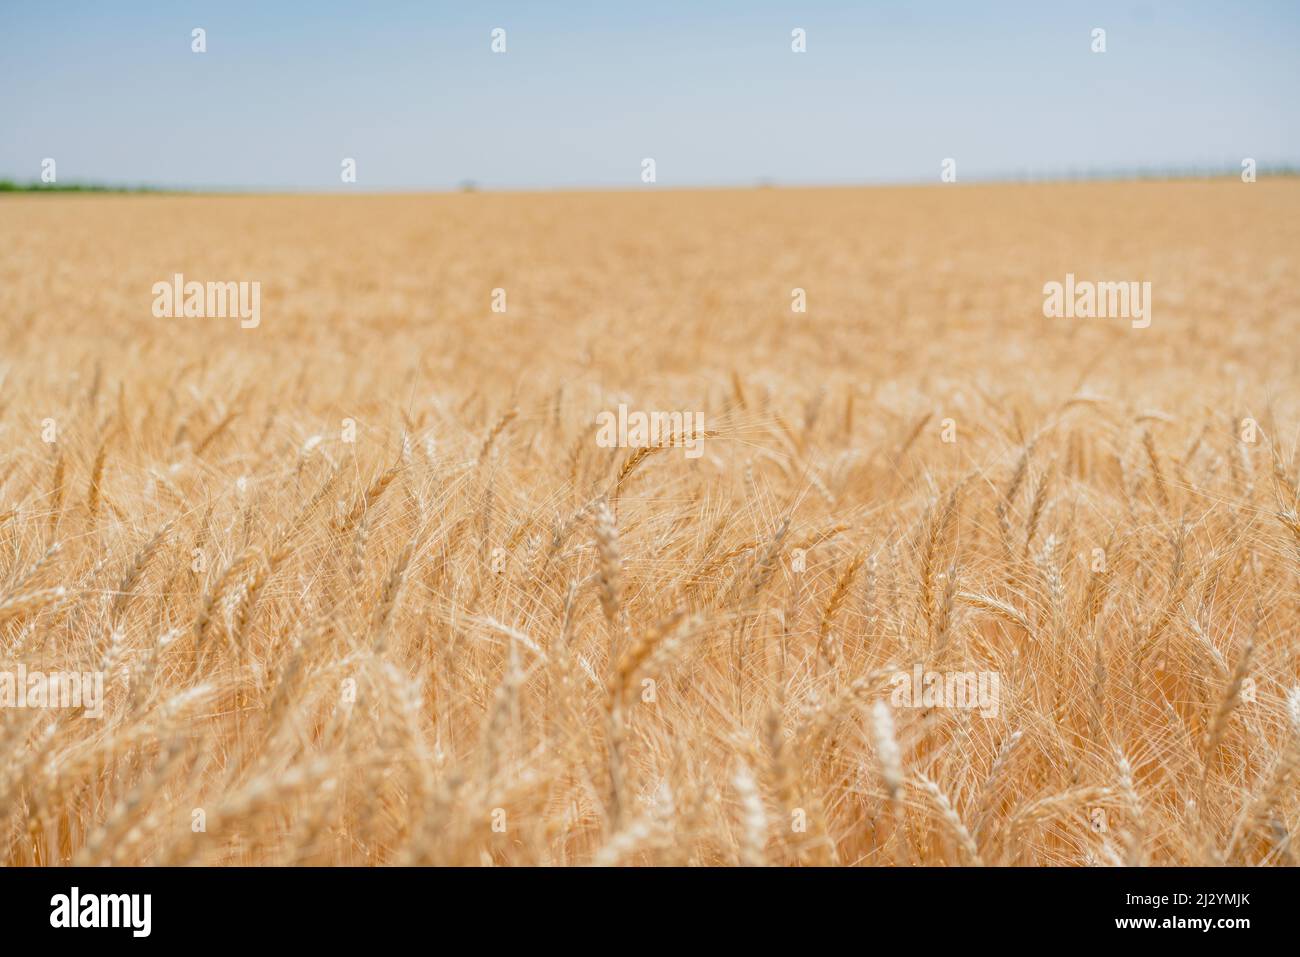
(712, 91)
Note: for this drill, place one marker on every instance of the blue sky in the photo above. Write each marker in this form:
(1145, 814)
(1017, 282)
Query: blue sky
(711, 91)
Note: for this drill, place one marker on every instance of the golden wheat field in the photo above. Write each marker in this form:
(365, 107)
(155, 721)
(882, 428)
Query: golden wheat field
(364, 588)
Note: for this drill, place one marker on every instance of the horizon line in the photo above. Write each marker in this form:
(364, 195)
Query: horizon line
(1114, 174)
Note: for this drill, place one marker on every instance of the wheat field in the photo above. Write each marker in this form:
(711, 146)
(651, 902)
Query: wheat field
(365, 589)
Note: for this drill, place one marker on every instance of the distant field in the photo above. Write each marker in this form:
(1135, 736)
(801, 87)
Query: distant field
(364, 587)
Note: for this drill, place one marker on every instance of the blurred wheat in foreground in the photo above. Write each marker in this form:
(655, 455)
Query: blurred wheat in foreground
(473, 636)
